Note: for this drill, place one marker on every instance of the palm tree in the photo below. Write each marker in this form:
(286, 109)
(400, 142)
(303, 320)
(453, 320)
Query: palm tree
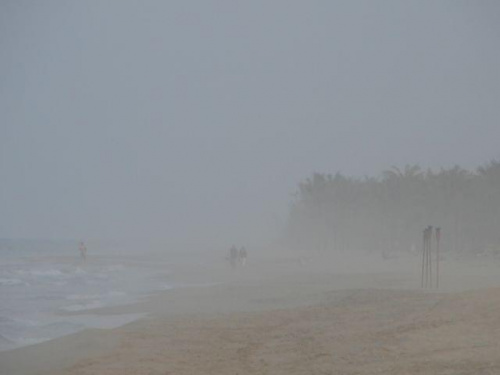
(340, 212)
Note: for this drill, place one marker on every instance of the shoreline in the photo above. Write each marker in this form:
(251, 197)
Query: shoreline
(277, 293)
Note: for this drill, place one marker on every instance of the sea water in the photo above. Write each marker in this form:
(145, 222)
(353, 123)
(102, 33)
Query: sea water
(44, 283)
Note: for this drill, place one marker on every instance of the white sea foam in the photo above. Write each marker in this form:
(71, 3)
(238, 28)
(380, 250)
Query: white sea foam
(48, 273)
(83, 306)
(34, 290)
(36, 287)
(116, 267)
(11, 282)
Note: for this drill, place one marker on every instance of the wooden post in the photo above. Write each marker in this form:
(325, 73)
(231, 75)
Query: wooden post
(427, 278)
(438, 239)
(426, 258)
(430, 255)
(424, 247)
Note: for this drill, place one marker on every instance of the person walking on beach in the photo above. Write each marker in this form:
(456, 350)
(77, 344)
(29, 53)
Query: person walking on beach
(83, 251)
(243, 256)
(233, 256)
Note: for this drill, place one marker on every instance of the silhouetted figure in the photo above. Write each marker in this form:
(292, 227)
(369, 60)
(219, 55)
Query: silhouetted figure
(243, 256)
(83, 251)
(233, 256)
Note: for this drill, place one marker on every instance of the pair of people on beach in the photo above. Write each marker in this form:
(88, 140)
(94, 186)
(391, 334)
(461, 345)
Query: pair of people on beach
(237, 256)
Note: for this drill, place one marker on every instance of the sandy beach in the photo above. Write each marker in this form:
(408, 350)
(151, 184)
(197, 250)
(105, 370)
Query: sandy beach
(289, 317)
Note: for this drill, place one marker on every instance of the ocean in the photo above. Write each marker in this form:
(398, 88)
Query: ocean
(42, 281)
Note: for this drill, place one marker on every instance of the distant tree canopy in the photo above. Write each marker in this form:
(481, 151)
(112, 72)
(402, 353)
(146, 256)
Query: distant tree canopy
(389, 212)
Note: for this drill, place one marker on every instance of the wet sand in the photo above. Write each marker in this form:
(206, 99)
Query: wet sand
(287, 317)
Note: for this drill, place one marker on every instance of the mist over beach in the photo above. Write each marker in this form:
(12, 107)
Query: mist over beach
(263, 187)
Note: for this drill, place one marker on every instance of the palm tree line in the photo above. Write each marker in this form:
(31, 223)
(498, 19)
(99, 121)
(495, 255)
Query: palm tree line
(389, 212)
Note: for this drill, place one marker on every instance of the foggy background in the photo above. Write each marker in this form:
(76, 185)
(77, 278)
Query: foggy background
(193, 122)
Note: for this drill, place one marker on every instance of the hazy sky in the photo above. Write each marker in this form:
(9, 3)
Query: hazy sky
(194, 120)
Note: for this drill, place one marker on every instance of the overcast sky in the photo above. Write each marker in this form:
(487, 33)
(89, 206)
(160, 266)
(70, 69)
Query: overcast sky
(194, 120)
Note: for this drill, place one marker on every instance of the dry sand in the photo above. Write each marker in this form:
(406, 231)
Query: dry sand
(286, 318)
